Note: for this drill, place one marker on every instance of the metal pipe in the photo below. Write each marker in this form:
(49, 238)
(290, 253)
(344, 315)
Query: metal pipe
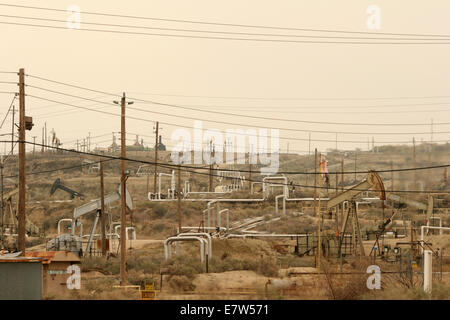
(200, 234)
(440, 223)
(219, 217)
(133, 233)
(422, 228)
(284, 203)
(168, 242)
(427, 271)
(206, 228)
(209, 212)
(65, 220)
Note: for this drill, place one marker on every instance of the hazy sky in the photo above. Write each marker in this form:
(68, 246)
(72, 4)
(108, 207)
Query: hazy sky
(157, 68)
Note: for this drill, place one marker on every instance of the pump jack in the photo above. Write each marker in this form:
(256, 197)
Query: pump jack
(58, 185)
(373, 180)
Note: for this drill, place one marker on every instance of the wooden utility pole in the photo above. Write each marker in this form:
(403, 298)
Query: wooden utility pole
(123, 218)
(414, 163)
(342, 188)
(13, 129)
(102, 212)
(45, 144)
(212, 154)
(309, 144)
(392, 179)
(355, 165)
(179, 197)
(22, 190)
(34, 144)
(315, 180)
(337, 208)
(319, 242)
(156, 157)
(43, 140)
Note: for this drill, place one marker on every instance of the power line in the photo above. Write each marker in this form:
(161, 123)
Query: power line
(208, 174)
(231, 114)
(279, 119)
(224, 38)
(315, 107)
(288, 99)
(237, 133)
(222, 32)
(6, 115)
(61, 169)
(239, 115)
(234, 123)
(226, 24)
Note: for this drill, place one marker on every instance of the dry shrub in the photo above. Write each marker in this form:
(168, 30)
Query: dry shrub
(267, 268)
(110, 266)
(181, 283)
(440, 292)
(183, 264)
(348, 286)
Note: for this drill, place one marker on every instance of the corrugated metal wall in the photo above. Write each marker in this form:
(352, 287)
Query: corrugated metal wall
(20, 281)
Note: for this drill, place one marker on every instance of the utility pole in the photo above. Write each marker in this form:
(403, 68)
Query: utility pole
(13, 129)
(315, 180)
(309, 145)
(45, 144)
(355, 164)
(34, 144)
(179, 197)
(102, 212)
(212, 153)
(392, 179)
(156, 157)
(342, 188)
(3, 215)
(336, 142)
(414, 162)
(89, 142)
(22, 190)
(250, 158)
(123, 218)
(43, 141)
(337, 209)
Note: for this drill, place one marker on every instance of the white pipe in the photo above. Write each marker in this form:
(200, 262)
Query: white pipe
(427, 271)
(133, 234)
(266, 235)
(285, 189)
(200, 234)
(284, 203)
(422, 228)
(219, 217)
(252, 184)
(79, 223)
(168, 242)
(440, 223)
(206, 228)
(209, 211)
(65, 220)
(159, 182)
